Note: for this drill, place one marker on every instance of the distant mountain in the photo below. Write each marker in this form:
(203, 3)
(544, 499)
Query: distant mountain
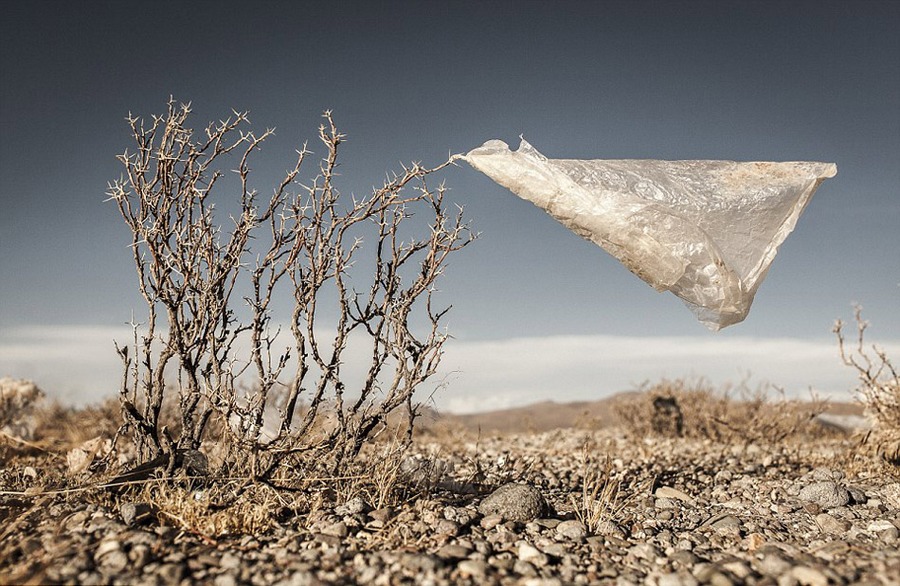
(548, 415)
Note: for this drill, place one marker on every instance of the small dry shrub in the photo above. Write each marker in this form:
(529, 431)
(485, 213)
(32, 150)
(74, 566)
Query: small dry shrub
(697, 410)
(879, 390)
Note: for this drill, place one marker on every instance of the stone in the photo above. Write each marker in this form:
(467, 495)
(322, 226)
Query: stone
(446, 527)
(728, 525)
(737, 568)
(229, 561)
(683, 559)
(885, 530)
(473, 568)
(171, 574)
(573, 530)
(420, 562)
(338, 529)
(138, 513)
(831, 525)
(524, 568)
(808, 576)
(554, 550)
(514, 502)
(354, 506)
(609, 528)
(453, 551)
(825, 493)
(113, 562)
(529, 553)
(676, 579)
(490, 521)
(667, 492)
(644, 551)
(225, 580)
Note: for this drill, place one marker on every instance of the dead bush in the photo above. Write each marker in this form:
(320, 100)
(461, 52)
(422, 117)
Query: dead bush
(352, 270)
(879, 389)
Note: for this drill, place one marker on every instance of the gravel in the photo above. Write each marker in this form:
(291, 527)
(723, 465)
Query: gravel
(688, 513)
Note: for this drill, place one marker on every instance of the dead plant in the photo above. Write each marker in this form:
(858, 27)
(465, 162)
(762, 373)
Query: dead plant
(303, 246)
(879, 389)
(601, 500)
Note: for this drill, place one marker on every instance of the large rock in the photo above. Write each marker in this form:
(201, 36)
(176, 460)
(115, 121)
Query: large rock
(827, 494)
(514, 502)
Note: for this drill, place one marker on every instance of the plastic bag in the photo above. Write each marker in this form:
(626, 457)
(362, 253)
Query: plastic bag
(705, 230)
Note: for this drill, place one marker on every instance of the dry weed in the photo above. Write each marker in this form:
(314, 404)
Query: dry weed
(602, 499)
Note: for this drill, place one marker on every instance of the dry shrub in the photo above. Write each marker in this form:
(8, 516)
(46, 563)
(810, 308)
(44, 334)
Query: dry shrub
(879, 389)
(347, 269)
(733, 415)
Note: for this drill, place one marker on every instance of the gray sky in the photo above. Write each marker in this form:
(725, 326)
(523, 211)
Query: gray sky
(538, 312)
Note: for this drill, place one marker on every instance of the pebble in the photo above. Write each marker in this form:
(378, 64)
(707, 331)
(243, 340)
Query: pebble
(529, 553)
(229, 561)
(225, 580)
(453, 551)
(683, 559)
(383, 514)
(138, 513)
(473, 568)
(765, 524)
(338, 529)
(488, 522)
(666, 492)
(676, 579)
(773, 565)
(728, 525)
(573, 530)
(808, 576)
(831, 525)
(353, 506)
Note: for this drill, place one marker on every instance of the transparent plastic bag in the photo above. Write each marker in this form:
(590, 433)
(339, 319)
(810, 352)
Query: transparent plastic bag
(705, 230)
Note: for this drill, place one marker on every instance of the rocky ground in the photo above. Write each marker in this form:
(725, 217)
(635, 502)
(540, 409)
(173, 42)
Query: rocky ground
(570, 506)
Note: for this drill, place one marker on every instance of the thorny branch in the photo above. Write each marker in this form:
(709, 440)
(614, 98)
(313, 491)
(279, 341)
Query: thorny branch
(302, 239)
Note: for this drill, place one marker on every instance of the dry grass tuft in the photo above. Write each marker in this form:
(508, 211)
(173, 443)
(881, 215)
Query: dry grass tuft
(602, 499)
(231, 508)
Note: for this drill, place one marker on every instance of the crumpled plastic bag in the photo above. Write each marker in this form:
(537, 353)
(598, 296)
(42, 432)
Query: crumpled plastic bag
(705, 230)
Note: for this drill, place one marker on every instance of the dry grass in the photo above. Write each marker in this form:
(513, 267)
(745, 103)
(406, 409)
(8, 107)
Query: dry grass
(601, 500)
(733, 415)
(219, 510)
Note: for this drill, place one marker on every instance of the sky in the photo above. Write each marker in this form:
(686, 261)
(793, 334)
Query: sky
(538, 313)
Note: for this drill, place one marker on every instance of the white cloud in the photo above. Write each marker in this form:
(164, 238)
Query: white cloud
(505, 373)
(78, 364)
